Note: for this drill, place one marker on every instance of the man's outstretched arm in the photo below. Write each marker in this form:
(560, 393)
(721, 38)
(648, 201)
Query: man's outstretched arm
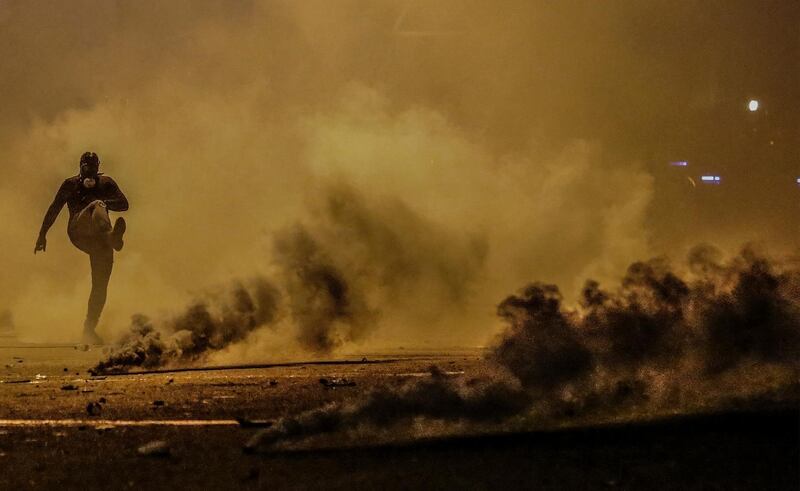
(50, 217)
(116, 200)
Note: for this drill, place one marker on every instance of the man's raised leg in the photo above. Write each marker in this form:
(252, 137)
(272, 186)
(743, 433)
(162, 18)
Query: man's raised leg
(101, 227)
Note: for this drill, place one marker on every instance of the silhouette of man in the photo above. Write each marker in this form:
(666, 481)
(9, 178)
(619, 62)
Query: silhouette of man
(89, 196)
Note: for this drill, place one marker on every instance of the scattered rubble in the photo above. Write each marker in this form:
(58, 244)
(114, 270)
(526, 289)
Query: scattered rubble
(156, 448)
(337, 382)
(94, 408)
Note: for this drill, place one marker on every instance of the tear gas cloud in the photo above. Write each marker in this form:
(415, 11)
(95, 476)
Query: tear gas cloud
(209, 324)
(390, 169)
(332, 280)
(663, 342)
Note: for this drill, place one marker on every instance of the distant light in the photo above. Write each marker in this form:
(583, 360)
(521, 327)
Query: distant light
(798, 180)
(679, 163)
(752, 105)
(711, 179)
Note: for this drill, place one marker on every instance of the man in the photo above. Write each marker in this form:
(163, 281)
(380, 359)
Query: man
(89, 196)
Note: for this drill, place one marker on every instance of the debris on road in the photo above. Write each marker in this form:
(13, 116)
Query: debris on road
(337, 382)
(231, 384)
(69, 387)
(94, 408)
(156, 448)
(253, 423)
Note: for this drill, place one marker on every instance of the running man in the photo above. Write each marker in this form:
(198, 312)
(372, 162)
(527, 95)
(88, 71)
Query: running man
(89, 196)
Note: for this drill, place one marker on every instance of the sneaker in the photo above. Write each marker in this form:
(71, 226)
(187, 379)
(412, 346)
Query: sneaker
(116, 235)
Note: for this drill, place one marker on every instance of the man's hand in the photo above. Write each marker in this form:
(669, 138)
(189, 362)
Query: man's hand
(41, 244)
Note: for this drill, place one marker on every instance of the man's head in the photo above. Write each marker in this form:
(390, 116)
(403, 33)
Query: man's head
(90, 164)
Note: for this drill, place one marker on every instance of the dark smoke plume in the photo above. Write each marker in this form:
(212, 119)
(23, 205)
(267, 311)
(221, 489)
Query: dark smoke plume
(438, 397)
(353, 262)
(207, 325)
(327, 309)
(661, 342)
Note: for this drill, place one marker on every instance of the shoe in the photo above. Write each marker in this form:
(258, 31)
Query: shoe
(116, 235)
(91, 338)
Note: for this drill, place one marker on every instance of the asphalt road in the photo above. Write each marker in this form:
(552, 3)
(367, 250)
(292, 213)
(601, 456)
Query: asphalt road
(49, 440)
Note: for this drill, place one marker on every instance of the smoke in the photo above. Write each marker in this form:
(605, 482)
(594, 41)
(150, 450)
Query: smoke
(6, 321)
(220, 137)
(209, 324)
(438, 397)
(331, 279)
(381, 263)
(664, 341)
(711, 319)
(482, 147)
(328, 311)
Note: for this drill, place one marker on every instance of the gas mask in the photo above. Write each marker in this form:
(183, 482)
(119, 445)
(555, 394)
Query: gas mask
(89, 176)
